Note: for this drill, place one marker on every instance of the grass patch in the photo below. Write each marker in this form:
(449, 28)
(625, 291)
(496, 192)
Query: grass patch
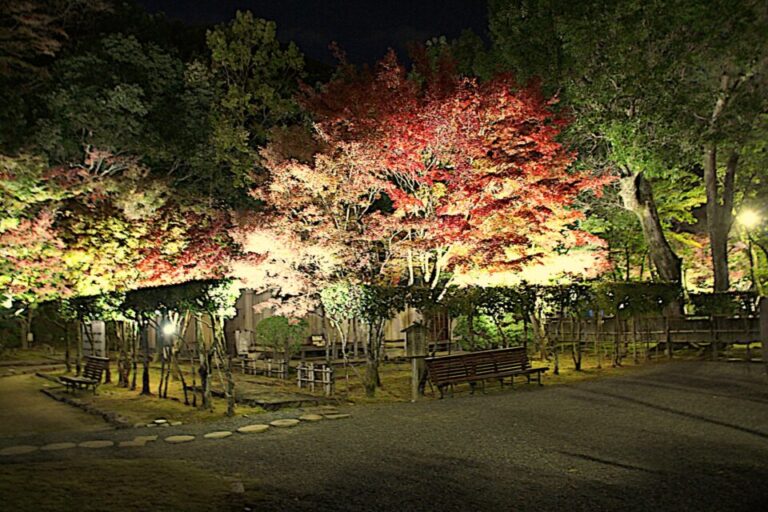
(116, 485)
(17, 354)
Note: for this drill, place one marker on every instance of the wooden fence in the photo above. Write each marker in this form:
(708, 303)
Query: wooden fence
(714, 333)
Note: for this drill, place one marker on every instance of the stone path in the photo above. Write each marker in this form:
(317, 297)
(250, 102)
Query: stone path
(141, 441)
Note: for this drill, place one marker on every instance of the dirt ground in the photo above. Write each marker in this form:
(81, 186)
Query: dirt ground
(24, 410)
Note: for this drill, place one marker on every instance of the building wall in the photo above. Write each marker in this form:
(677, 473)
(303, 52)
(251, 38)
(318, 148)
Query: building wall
(243, 324)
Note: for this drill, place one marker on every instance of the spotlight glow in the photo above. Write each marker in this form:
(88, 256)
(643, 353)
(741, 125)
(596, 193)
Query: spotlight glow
(169, 329)
(748, 218)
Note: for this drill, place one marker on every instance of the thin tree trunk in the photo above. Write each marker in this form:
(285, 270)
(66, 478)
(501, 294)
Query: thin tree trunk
(134, 355)
(107, 370)
(145, 390)
(719, 213)
(78, 348)
(26, 327)
(68, 343)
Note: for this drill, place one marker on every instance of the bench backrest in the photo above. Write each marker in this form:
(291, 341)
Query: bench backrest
(477, 364)
(94, 367)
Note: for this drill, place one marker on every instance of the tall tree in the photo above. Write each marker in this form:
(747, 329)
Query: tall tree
(654, 86)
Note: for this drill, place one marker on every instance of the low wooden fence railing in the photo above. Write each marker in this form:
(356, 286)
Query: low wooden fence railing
(714, 333)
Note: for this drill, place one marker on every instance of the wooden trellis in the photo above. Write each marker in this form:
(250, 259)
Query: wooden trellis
(311, 375)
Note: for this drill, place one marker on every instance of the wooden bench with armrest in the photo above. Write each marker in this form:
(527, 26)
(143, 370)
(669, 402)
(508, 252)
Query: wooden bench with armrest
(91, 376)
(474, 367)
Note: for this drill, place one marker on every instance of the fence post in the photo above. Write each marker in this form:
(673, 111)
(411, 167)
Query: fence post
(764, 330)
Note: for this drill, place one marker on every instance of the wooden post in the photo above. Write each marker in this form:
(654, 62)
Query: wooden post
(668, 336)
(764, 330)
(416, 349)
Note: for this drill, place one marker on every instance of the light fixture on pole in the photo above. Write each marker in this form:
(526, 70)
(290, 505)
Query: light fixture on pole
(169, 329)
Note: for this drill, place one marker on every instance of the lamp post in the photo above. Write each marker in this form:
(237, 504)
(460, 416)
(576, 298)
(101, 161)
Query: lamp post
(749, 220)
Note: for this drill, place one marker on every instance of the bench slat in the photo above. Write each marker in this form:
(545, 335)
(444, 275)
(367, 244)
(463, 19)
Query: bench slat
(474, 366)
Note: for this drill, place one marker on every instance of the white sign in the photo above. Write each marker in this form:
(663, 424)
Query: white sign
(95, 338)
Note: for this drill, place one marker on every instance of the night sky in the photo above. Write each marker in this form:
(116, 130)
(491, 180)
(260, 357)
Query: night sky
(363, 28)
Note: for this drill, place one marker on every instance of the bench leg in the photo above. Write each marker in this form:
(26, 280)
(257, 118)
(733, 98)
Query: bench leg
(539, 375)
(441, 388)
(472, 385)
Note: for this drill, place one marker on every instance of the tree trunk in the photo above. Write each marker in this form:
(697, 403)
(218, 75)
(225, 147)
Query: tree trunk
(145, 359)
(134, 356)
(107, 370)
(372, 378)
(637, 195)
(68, 343)
(78, 348)
(719, 213)
(26, 327)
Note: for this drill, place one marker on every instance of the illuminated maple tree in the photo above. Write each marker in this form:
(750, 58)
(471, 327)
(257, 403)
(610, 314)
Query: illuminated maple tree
(426, 175)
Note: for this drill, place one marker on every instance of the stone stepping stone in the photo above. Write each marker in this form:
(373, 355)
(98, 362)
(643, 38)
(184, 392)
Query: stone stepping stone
(132, 444)
(96, 444)
(57, 446)
(175, 423)
(179, 439)
(18, 450)
(287, 423)
(160, 421)
(145, 439)
(253, 429)
(218, 435)
(336, 416)
(311, 417)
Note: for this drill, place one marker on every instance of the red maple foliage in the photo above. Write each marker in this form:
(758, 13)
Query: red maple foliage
(422, 173)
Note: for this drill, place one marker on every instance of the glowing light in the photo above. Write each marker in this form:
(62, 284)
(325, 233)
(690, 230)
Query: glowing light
(169, 329)
(748, 218)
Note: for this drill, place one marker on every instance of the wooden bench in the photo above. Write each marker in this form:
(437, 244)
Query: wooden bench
(91, 377)
(473, 367)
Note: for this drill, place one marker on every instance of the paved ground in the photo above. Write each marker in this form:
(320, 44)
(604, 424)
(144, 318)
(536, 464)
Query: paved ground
(682, 436)
(25, 411)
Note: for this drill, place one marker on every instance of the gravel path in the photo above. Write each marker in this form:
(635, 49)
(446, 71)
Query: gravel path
(681, 436)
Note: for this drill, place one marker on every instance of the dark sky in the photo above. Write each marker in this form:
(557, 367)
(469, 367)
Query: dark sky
(363, 28)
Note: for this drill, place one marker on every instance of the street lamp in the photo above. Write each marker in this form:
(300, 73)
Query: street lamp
(169, 329)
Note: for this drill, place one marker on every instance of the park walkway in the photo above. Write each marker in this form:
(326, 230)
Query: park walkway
(679, 436)
(25, 411)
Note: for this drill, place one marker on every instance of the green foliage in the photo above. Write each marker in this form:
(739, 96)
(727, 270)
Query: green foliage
(379, 303)
(487, 332)
(724, 303)
(650, 84)
(343, 301)
(213, 297)
(254, 79)
(635, 298)
(282, 334)
(117, 95)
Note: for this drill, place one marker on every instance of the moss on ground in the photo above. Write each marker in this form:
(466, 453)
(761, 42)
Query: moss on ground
(138, 408)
